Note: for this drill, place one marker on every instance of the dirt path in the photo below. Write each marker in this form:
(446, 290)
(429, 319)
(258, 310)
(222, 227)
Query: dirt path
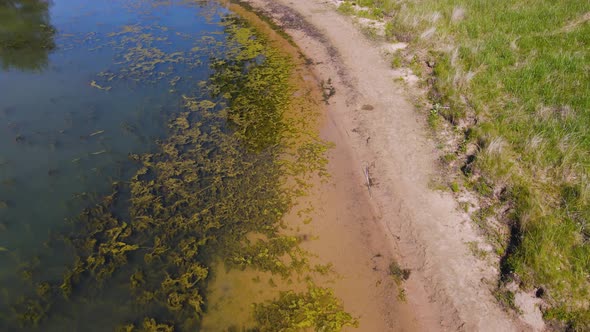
(449, 289)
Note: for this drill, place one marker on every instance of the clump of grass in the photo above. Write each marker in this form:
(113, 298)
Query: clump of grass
(464, 206)
(434, 119)
(476, 250)
(398, 273)
(506, 298)
(346, 8)
(416, 66)
(370, 31)
(376, 9)
(385, 7)
(395, 30)
(396, 60)
(449, 158)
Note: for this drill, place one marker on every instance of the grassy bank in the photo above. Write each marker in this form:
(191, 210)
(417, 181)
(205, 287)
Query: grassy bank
(512, 80)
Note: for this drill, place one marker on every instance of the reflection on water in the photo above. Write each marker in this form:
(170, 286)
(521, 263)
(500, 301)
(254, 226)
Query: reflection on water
(26, 34)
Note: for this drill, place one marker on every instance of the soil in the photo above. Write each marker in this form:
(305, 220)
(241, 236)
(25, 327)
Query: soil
(378, 206)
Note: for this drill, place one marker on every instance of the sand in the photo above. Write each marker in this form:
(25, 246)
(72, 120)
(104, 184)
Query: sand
(376, 129)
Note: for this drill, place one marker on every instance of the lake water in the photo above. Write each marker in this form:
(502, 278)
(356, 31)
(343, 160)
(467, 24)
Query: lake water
(83, 84)
(140, 142)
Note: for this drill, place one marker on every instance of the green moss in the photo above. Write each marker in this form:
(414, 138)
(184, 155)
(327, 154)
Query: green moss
(150, 325)
(31, 312)
(269, 256)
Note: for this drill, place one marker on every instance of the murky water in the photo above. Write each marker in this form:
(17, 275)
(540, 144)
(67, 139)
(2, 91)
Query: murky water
(145, 148)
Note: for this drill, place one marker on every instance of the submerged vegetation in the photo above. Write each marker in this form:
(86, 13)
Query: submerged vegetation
(233, 164)
(317, 309)
(512, 80)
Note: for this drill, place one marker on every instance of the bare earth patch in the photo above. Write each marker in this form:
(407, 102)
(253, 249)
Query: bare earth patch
(575, 23)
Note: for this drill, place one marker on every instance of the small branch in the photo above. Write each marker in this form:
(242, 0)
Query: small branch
(365, 170)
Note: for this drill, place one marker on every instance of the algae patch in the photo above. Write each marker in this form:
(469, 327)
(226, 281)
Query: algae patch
(317, 308)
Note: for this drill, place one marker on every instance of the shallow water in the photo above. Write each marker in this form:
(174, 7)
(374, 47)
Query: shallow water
(82, 85)
(61, 136)
(145, 148)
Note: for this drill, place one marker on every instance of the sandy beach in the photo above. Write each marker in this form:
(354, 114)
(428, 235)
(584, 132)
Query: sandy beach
(381, 139)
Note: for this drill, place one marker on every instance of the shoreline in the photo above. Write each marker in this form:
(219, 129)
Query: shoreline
(335, 221)
(449, 289)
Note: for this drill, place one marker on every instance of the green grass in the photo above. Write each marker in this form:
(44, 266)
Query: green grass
(346, 8)
(384, 7)
(476, 250)
(373, 9)
(396, 60)
(522, 69)
(506, 298)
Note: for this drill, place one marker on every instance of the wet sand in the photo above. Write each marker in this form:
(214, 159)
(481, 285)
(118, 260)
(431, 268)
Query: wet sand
(339, 227)
(343, 232)
(449, 289)
(352, 239)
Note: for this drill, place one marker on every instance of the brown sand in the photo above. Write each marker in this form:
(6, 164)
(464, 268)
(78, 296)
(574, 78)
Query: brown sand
(403, 218)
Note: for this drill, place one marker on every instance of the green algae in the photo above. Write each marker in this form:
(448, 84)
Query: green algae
(142, 56)
(234, 162)
(148, 325)
(317, 308)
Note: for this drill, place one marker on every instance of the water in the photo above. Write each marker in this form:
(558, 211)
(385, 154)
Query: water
(61, 136)
(82, 85)
(146, 149)
(50, 111)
